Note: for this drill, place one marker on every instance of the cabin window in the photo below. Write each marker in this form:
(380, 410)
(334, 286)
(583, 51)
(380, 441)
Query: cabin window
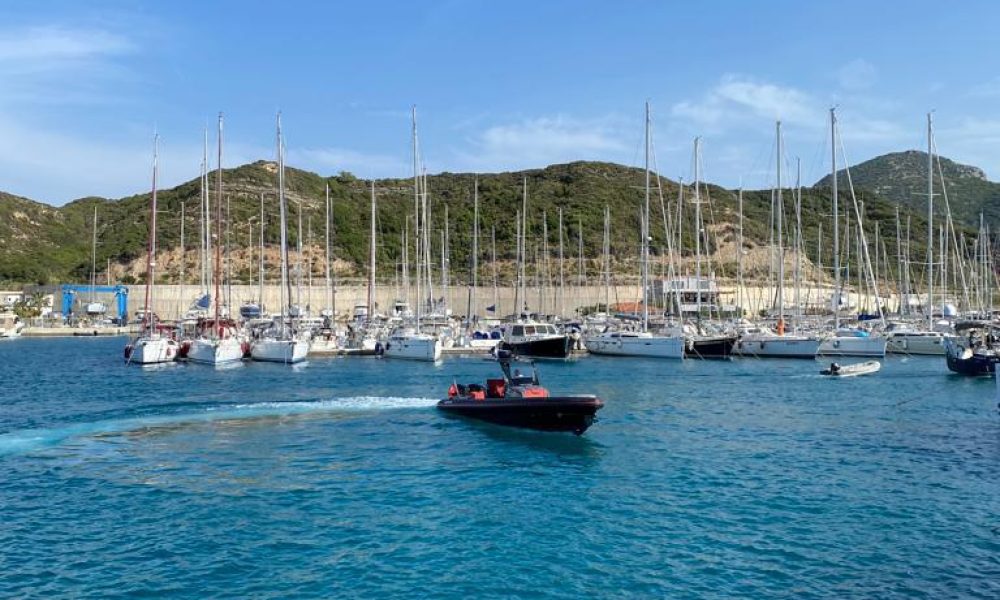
(518, 330)
(529, 330)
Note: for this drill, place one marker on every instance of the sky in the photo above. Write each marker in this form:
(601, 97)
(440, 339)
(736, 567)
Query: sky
(498, 86)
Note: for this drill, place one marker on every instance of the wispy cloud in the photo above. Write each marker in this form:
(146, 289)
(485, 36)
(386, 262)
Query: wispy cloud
(59, 64)
(859, 74)
(544, 140)
(738, 98)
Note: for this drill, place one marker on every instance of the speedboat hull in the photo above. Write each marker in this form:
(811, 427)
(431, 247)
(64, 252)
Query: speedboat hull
(569, 413)
(559, 346)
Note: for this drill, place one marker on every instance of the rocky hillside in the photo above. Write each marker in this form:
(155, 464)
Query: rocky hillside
(901, 177)
(40, 243)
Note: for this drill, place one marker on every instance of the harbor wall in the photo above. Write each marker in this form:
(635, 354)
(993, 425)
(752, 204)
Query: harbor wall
(171, 301)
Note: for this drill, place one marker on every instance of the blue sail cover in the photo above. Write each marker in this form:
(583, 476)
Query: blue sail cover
(204, 302)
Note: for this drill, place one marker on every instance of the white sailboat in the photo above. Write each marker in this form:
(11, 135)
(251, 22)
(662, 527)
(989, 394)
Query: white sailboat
(913, 338)
(639, 343)
(219, 342)
(152, 346)
(409, 342)
(846, 341)
(280, 342)
(764, 342)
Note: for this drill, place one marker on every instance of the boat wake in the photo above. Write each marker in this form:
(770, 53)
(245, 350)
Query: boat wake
(29, 440)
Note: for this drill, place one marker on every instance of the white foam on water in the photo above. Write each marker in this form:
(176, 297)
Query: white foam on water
(27, 440)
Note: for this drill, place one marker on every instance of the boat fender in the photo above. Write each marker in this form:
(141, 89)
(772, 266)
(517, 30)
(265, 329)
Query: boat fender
(836, 343)
(453, 391)
(379, 349)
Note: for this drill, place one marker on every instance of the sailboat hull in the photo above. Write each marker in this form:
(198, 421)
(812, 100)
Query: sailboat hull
(853, 346)
(916, 343)
(718, 347)
(778, 347)
(151, 351)
(215, 352)
(425, 348)
(279, 351)
(648, 346)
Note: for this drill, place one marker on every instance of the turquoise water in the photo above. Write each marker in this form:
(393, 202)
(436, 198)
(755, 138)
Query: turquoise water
(338, 478)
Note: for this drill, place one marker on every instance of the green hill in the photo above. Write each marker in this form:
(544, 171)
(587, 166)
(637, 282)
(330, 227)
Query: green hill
(901, 177)
(40, 243)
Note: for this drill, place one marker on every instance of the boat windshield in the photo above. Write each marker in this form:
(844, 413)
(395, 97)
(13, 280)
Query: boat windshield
(519, 373)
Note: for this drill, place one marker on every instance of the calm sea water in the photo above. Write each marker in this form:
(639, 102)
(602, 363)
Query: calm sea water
(338, 478)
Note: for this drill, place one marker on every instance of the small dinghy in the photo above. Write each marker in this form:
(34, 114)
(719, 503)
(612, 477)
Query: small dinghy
(863, 368)
(517, 400)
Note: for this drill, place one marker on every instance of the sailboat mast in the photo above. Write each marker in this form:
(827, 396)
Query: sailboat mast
(697, 223)
(260, 274)
(93, 258)
(183, 260)
(645, 230)
(329, 282)
(151, 256)
(206, 227)
(524, 247)
(496, 276)
(798, 241)
(779, 216)
(739, 254)
(836, 219)
(930, 223)
(285, 293)
(217, 274)
(416, 212)
(562, 272)
(475, 248)
(371, 259)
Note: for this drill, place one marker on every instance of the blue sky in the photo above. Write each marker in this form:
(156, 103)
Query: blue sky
(497, 85)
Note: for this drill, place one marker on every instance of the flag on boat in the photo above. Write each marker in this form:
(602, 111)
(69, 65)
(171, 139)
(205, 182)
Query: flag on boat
(491, 308)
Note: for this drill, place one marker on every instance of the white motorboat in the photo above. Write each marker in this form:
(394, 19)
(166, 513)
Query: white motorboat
(635, 343)
(864, 368)
(407, 343)
(11, 325)
(852, 342)
(534, 339)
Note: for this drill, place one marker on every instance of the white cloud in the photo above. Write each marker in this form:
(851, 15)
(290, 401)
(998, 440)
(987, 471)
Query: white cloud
(736, 99)
(57, 64)
(858, 74)
(545, 140)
